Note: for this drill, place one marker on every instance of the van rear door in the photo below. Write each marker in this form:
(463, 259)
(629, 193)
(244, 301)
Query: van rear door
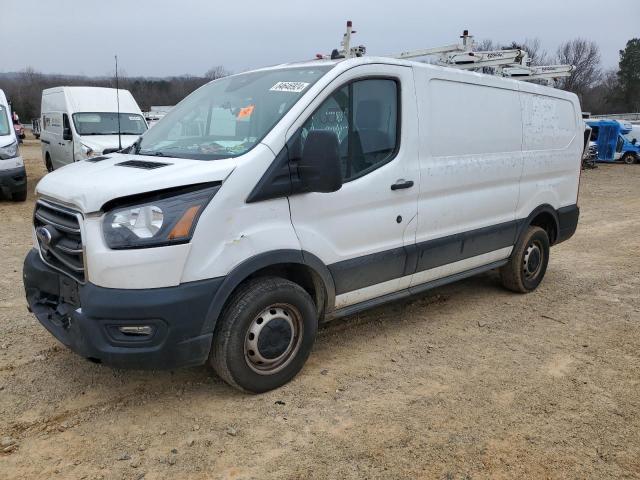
(364, 232)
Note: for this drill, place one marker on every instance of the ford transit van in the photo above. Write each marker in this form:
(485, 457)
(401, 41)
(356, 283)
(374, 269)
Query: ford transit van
(270, 201)
(82, 122)
(13, 176)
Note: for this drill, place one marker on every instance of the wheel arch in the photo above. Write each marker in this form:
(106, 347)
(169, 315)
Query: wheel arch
(545, 217)
(299, 266)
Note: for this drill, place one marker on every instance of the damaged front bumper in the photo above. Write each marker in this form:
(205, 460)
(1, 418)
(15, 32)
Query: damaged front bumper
(90, 319)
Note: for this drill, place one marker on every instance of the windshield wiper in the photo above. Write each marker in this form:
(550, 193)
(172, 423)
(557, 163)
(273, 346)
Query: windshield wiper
(150, 153)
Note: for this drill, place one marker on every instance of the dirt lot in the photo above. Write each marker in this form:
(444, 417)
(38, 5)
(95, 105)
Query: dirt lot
(467, 381)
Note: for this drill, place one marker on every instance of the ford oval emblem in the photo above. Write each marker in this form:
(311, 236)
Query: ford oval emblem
(44, 236)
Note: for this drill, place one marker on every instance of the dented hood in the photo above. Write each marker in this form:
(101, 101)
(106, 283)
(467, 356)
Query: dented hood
(88, 185)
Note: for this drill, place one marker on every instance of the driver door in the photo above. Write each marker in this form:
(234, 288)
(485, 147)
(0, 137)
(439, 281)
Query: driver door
(365, 231)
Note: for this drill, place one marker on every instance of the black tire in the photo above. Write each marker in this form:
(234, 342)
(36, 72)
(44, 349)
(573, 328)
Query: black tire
(20, 196)
(629, 158)
(528, 262)
(289, 309)
(47, 163)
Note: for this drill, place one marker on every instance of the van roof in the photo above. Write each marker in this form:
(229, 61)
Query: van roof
(95, 99)
(513, 83)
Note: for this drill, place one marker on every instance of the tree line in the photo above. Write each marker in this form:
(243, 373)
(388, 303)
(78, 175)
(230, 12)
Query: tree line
(24, 89)
(601, 91)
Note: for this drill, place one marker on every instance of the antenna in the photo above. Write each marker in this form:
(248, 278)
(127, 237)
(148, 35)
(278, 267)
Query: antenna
(118, 103)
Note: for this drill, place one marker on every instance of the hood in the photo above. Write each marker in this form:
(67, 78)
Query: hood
(98, 143)
(88, 185)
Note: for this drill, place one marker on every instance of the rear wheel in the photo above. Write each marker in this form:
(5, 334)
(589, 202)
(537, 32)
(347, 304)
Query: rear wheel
(629, 158)
(528, 262)
(265, 335)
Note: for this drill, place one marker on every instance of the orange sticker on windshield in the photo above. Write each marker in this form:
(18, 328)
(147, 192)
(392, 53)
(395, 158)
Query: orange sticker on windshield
(246, 111)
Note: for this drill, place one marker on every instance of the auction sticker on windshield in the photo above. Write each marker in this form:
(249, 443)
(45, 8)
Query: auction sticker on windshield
(294, 87)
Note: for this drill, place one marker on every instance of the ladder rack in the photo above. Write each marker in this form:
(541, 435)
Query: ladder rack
(512, 63)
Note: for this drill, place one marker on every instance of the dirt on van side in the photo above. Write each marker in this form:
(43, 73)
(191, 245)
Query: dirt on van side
(466, 381)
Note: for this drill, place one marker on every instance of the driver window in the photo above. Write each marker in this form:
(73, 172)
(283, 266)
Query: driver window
(364, 116)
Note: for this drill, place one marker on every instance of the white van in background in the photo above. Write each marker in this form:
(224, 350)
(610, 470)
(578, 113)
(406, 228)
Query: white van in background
(13, 176)
(82, 122)
(267, 202)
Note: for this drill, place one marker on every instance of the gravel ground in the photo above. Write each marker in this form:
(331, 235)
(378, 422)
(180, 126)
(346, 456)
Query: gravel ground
(466, 381)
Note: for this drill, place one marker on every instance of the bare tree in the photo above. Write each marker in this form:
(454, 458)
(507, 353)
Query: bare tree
(584, 55)
(537, 54)
(485, 45)
(216, 72)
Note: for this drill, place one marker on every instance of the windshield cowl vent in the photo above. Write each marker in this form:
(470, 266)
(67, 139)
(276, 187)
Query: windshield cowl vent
(143, 164)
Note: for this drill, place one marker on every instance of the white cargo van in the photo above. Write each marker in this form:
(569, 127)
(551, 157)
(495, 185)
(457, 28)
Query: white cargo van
(13, 176)
(83, 122)
(269, 201)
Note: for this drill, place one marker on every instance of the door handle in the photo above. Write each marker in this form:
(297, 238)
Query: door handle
(63, 144)
(401, 184)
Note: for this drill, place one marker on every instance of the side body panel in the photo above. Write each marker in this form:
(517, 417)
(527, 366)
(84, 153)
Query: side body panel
(470, 167)
(52, 107)
(552, 148)
(231, 231)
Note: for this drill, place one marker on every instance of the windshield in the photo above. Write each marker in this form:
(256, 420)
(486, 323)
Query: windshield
(4, 121)
(227, 117)
(629, 137)
(107, 123)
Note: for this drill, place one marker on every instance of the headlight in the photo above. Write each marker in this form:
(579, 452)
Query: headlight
(165, 219)
(10, 151)
(87, 152)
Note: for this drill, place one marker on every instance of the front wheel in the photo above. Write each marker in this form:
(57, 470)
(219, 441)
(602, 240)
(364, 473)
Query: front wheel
(629, 158)
(528, 262)
(265, 335)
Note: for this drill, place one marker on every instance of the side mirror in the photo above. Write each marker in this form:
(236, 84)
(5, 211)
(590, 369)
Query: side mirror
(634, 141)
(66, 133)
(319, 167)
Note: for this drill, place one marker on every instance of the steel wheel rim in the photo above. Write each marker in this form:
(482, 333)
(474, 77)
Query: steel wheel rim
(273, 339)
(533, 260)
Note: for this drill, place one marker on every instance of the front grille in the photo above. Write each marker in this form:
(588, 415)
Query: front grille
(60, 239)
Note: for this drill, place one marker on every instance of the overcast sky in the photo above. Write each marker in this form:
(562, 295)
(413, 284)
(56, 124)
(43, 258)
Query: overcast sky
(174, 37)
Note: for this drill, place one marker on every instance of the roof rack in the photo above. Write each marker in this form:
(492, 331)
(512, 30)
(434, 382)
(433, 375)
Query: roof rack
(511, 63)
